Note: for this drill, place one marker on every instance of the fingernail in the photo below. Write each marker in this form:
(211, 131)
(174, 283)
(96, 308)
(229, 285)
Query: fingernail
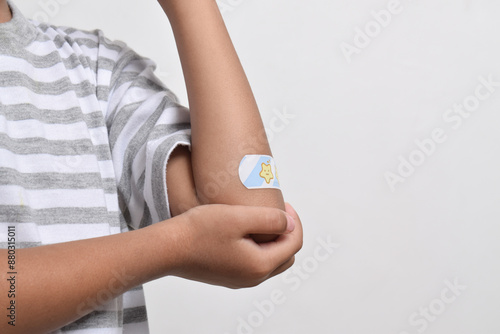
(290, 223)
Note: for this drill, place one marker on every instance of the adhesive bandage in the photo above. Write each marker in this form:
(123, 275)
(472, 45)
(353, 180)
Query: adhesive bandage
(258, 172)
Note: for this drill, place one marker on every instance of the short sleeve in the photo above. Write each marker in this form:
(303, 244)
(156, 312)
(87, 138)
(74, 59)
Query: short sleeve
(145, 124)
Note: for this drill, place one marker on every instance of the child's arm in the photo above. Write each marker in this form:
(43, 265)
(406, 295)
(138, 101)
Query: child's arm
(226, 123)
(58, 284)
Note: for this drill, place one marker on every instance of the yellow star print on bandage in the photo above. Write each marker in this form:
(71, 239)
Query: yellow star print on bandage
(266, 172)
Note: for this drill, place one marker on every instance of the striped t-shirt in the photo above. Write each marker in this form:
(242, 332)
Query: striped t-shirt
(86, 130)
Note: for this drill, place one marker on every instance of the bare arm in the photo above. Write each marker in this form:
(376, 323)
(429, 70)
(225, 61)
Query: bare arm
(58, 284)
(226, 123)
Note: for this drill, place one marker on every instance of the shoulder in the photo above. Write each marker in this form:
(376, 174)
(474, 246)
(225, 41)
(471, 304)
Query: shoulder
(92, 43)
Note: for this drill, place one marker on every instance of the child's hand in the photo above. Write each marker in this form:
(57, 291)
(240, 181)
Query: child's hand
(215, 247)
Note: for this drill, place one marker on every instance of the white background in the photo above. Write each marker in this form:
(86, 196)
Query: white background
(351, 121)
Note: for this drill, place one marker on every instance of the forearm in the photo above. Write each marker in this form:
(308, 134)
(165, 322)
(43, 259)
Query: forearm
(226, 123)
(57, 284)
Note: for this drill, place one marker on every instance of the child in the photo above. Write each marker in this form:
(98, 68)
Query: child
(86, 131)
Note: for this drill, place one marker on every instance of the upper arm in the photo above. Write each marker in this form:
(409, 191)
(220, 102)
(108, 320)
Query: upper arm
(181, 188)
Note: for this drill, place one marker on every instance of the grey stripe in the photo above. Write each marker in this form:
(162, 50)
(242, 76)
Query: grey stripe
(138, 81)
(54, 147)
(124, 227)
(61, 40)
(159, 159)
(54, 58)
(137, 288)
(105, 64)
(49, 60)
(117, 46)
(21, 244)
(108, 319)
(96, 319)
(42, 26)
(68, 30)
(76, 215)
(164, 129)
(21, 112)
(135, 315)
(109, 185)
(124, 209)
(124, 60)
(146, 218)
(42, 38)
(59, 87)
(111, 45)
(102, 93)
(9, 176)
(94, 119)
(118, 122)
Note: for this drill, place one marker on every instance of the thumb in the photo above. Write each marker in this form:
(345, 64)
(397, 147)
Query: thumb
(265, 220)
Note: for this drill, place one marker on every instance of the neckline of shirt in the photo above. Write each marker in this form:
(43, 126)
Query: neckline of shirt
(18, 30)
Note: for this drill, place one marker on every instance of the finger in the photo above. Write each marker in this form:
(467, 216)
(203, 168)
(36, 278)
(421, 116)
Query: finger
(283, 267)
(264, 220)
(285, 247)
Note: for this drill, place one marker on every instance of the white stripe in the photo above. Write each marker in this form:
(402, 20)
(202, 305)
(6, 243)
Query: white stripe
(137, 66)
(57, 233)
(107, 169)
(52, 198)
(46, 163)
(104, 76)
(134, 298)
(112, 202)
(67, 100)
(41, 48)
(108, 53)
(112, 305)
(174, 115)
(44, 75)
(99, 135)
(25, 232)
(35, 129)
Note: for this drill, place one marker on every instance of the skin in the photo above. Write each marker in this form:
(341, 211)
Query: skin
(223, 112)
(208, 239)
(5, 14)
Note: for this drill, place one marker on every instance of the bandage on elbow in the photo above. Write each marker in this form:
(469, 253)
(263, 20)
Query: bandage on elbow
(258, 172)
